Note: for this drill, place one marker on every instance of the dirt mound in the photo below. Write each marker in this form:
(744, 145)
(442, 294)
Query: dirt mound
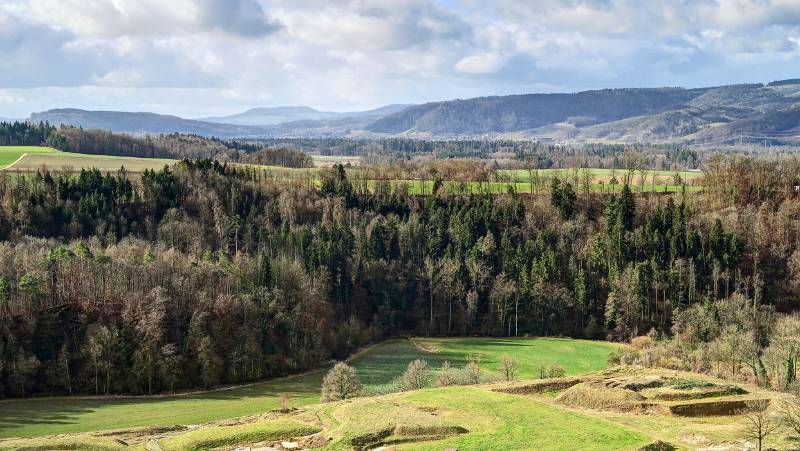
(635, 383)
(712, 408)
(675, 394)
(600, 396)
(404, 434)
(539, 386)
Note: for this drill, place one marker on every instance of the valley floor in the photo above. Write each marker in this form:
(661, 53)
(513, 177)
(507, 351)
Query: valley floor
(377, 368)
(590, 409)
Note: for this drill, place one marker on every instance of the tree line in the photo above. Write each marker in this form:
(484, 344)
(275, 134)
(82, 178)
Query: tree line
(174, 145)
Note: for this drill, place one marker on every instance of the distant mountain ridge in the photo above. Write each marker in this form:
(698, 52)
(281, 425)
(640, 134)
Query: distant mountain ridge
(140, 123)
(767, 113)
(284, 114)
(258, 122)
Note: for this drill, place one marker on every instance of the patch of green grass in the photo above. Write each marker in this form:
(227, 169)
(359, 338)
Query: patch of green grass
(61, 443)
(10, 154)
(503, 421)
(688, 384)
(597, 173)
(43, 416)
(575, 356)
(376, 367)
(224, 436)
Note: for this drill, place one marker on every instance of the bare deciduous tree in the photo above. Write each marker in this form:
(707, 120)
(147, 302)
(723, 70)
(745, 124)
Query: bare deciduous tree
(790, 415)
(508, 367)
(758, 422)
(341, 382)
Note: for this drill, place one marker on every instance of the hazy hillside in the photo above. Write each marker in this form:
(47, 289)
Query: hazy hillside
(141, 123)
(258, 122)
(284, 114)
(614, 115)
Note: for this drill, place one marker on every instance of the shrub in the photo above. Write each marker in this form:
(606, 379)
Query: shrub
(552, 370)
(417, 375)
(508, 367)
(629, 357)
(642, 342)
(472, 372)
(614, 358)
(341, 382)
(446, 376)
(658, 446)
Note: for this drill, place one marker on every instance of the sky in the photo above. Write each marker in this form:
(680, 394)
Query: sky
(196, 58)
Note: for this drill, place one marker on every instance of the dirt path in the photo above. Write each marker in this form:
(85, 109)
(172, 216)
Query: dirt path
(15, 161)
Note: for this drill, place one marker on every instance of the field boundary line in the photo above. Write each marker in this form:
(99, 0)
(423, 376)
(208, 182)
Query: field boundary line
(16, 161)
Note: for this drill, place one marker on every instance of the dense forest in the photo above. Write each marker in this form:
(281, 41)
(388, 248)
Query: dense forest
(203, 273)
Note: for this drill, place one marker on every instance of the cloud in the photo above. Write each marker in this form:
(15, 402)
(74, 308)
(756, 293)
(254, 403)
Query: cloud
(482, 63)
(114, 18)
(240, 17)
(206, 57)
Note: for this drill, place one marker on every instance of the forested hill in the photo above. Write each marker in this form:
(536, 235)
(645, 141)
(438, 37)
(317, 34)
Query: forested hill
(520, 112)
(626, 115)
(204, 273)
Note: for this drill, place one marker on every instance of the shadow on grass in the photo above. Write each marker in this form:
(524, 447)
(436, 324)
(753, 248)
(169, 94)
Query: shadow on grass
(18, 416)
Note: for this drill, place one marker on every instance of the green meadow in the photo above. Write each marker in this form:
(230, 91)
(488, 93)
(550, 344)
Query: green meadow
(10, 154)
(377, 367)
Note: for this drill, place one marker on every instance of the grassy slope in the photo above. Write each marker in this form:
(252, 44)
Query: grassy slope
(217, 437)
(376, 367)
(500, 421)
(491, 420)
(38, 156)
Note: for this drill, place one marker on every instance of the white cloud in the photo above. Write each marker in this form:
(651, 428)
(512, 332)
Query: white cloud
(204, 57)
(482, 63)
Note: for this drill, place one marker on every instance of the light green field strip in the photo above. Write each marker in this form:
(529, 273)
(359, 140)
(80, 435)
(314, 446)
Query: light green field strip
(31, 158)
(10, 155)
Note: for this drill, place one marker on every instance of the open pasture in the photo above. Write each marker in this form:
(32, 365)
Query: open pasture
(377, 367)
(69, 162)
(581, 411)
(330, 160)
(10, 154)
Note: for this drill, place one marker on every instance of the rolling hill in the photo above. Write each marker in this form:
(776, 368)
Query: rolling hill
(718, 114)
(141, 123)
(652, 115)
(286, 114)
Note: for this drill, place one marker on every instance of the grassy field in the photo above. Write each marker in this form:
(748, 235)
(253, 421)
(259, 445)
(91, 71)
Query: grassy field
(231, 435)
(10, 154)
(37, 157)
(604, 175)
(330, 160)
(472, 418)
(376, 367)
(497, 416)
(654, 181)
